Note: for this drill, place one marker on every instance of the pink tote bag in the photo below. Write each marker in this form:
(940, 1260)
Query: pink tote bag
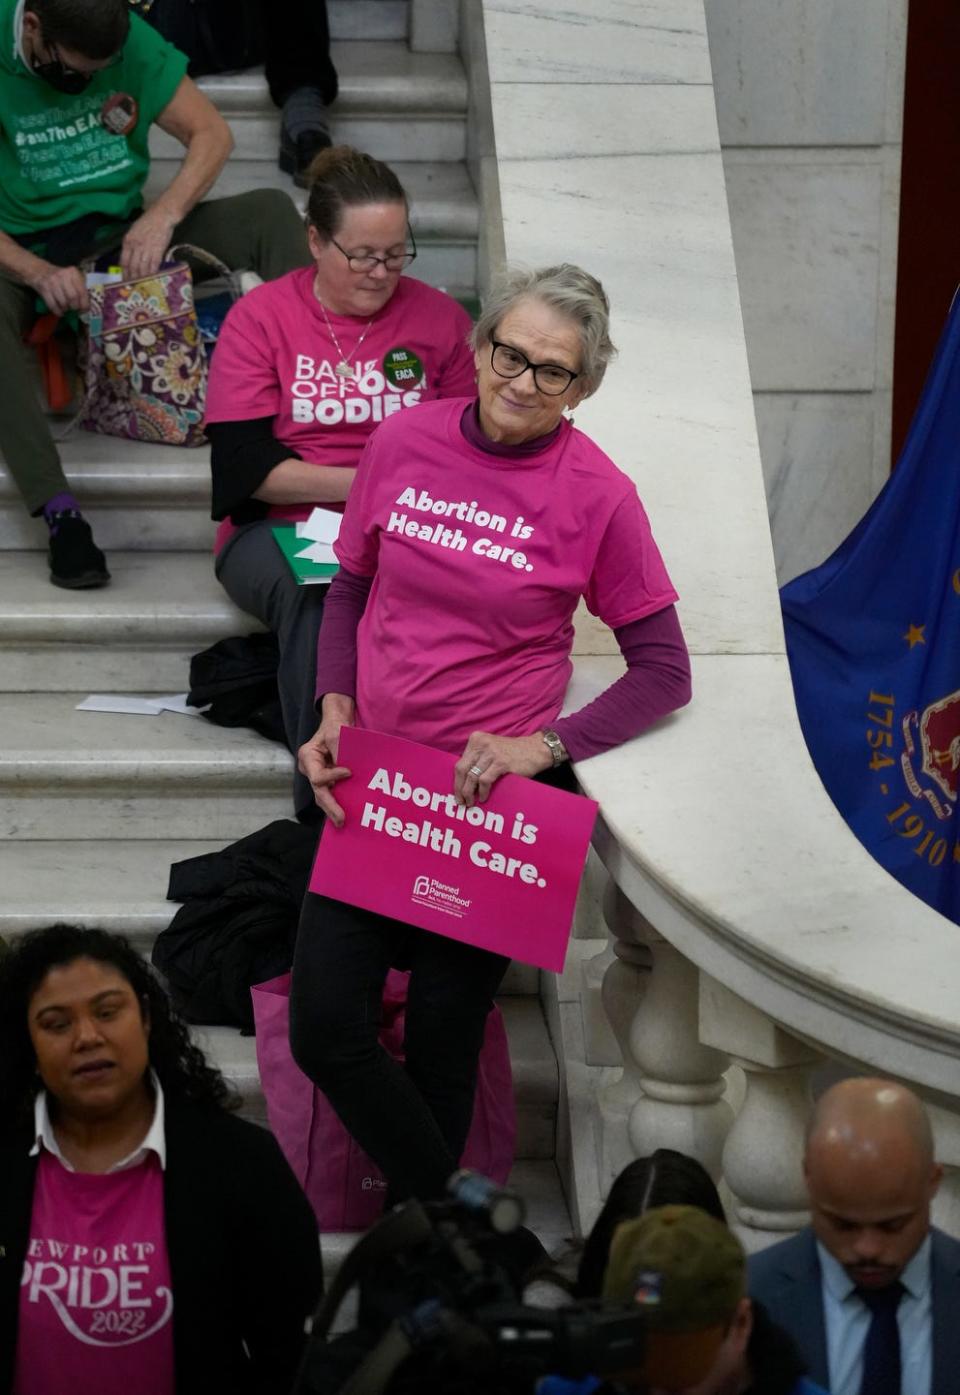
(344, 1187)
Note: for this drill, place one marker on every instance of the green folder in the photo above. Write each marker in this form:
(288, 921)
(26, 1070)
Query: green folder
(307, 573)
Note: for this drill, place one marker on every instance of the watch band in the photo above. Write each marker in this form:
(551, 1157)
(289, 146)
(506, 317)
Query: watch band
(556, 747)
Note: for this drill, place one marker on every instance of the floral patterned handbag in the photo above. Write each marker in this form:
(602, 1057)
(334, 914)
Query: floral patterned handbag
(144, 363)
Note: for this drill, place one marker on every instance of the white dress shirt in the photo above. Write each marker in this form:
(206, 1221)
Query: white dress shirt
(154, 1140)
(847, 1321)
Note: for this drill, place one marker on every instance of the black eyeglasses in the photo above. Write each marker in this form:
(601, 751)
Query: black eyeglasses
(71, 81)
(550, 378)
(395, 262)
(113, 62)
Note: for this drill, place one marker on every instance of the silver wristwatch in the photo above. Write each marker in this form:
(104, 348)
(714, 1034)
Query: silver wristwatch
(557, 748)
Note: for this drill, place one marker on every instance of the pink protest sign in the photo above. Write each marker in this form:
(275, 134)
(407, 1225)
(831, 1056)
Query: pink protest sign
(502, 875)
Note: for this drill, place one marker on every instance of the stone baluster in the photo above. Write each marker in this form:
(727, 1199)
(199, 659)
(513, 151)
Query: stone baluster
(599, 1042)
(763, 1153)
(670, 1094)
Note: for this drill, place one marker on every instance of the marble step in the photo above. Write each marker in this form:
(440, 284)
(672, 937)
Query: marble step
(391, 102)
(118, 885)
(135, 635)
(137, 494)
(535, 1075)
(375, 76)
(368, 20)
(443, 202)
(88, 775)
(443, 209)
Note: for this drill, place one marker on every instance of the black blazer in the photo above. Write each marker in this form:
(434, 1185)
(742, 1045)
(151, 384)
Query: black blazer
(243, 1246)
(786, 1279)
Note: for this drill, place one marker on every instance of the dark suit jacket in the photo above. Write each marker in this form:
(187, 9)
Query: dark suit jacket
(786, 1279)
(243, 1247)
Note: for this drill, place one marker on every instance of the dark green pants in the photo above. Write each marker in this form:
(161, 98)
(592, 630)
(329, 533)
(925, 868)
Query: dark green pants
(260, 230)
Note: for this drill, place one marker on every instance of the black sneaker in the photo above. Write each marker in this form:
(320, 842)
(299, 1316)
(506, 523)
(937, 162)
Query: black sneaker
(75, 560)
(296, 156)
(304, 113)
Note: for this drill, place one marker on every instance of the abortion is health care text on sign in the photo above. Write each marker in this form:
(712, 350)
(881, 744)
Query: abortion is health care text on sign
(501, 875)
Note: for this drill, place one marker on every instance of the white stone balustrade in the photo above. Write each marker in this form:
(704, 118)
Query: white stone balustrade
(748, 922)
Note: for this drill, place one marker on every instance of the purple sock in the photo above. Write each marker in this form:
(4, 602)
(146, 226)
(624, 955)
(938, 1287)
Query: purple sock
(60, 503)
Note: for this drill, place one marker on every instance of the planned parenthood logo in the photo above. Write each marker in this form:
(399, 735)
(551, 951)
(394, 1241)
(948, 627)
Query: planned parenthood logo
(439, 896)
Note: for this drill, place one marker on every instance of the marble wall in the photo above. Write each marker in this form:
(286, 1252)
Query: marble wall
(809, 105)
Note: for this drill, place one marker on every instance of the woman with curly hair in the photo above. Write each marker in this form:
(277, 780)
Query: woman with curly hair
(150, 1241)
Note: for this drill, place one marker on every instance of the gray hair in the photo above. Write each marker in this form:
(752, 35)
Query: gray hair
(573, 293)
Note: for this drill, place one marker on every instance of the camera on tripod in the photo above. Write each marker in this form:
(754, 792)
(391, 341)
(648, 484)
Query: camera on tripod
(440, 1311)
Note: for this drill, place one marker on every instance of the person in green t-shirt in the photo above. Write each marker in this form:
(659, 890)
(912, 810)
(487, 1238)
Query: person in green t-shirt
(81, 83)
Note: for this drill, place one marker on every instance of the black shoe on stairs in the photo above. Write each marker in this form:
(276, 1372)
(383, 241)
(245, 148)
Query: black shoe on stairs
(75, 560)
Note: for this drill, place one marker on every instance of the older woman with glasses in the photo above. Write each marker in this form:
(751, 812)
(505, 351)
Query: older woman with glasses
(305, 369)
(473, 530)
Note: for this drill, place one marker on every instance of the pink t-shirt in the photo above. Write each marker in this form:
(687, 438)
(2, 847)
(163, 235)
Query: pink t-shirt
(96, 1305)
(276, 357)
(479, 562)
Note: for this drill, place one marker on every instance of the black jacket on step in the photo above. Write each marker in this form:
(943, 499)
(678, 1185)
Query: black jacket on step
(238, 924)
(243, 1247)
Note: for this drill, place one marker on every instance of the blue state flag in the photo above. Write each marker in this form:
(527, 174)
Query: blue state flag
(873, 638)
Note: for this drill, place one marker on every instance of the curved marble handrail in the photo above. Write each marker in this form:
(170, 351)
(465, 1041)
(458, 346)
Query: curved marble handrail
(715, 825)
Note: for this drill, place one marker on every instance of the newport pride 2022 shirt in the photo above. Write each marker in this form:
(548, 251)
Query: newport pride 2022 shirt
(96, 1306)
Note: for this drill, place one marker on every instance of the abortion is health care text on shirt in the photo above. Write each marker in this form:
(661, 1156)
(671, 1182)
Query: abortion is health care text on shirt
(478, 564)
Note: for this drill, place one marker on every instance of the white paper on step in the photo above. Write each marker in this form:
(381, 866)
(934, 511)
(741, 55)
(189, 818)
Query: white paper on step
(321, 527)
(138, 706)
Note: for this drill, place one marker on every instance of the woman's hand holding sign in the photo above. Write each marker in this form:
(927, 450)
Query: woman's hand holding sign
(317, 758)
(487, 757)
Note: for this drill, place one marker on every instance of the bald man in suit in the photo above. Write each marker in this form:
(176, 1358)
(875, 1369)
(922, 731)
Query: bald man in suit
(870, 1291)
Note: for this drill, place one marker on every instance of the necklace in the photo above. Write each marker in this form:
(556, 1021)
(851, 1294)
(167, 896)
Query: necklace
(343, 368)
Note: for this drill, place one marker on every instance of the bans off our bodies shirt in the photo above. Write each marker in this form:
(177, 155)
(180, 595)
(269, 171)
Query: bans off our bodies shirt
(277, 357)
(96, 1301)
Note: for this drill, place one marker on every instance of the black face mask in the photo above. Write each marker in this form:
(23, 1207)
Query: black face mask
(66, 80)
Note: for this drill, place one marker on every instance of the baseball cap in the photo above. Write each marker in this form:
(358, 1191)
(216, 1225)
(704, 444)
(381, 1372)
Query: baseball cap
(687, 1273)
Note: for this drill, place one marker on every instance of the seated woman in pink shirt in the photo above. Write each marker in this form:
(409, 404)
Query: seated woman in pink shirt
(150, 1242)
(472, 531)
(305, 369)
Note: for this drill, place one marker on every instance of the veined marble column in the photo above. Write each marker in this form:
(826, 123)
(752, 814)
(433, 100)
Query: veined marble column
(763, 1153)
(671, 1092)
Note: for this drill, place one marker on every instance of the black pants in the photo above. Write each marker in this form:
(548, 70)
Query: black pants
(297, 49)
(413, 1120)
(254, 573)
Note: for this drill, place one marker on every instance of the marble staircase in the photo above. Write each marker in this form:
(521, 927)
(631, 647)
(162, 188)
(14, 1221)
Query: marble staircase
(95, 807)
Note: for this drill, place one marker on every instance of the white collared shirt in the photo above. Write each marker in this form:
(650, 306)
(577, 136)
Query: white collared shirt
(154, 1141)
(847, 1321)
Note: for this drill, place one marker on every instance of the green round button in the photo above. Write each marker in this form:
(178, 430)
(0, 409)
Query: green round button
(402, 368)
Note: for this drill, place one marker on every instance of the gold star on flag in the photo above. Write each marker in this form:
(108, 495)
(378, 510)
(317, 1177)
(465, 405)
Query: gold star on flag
(915, 635)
